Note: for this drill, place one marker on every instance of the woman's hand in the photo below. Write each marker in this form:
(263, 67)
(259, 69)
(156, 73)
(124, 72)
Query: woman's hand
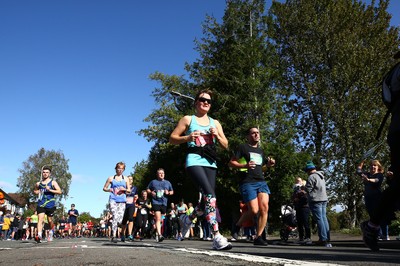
(214, 131)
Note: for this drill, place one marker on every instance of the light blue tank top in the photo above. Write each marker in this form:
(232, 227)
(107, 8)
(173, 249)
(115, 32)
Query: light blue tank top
(193, 159)
(115, 185)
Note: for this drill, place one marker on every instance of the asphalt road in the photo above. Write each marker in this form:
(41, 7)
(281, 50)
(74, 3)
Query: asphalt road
(100, 251)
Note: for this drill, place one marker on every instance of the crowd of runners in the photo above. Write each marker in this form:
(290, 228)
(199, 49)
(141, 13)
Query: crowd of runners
(148, 214)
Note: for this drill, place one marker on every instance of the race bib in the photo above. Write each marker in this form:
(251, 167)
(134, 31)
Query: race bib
(129, 200)
(160, 193)
(256, 157)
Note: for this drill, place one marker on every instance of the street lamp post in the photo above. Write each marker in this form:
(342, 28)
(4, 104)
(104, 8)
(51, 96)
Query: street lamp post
(178, 94)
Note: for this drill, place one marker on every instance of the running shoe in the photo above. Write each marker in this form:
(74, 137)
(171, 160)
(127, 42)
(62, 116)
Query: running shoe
(122, 238)
(114, 240)
(235, 237)
(50, 238)
(160, 239)
(260, 242)
(235, 233)
(37, 239)
(131, 238)
(187, 223)
(221, 243)
(370, 236)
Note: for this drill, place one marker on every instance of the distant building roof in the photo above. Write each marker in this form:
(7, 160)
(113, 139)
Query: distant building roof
(18, 198)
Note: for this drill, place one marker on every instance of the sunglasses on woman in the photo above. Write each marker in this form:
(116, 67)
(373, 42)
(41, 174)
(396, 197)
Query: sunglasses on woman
(203, 100)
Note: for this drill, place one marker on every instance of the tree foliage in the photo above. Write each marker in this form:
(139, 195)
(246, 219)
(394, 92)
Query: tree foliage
(86, 217)
(332, 56)
(32, 168)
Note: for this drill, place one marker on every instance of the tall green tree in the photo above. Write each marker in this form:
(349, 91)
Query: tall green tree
(239, 64)
(332, 56)
(31, 172)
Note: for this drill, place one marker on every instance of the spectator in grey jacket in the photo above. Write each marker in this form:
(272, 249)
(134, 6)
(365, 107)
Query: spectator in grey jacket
(318, 199)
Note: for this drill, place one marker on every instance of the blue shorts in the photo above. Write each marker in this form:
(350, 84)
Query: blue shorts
(249, 191)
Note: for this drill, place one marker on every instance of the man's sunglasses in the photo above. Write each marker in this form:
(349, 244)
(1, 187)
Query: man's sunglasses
(203, 100)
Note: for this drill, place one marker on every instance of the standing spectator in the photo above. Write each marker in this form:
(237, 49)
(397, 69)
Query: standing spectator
(390, 196)
(249, 158)
(117, 186)
(300, 202)
(372, 180)
(202, 133)
(159, 188)
(46, 189)
(318, 200)
(72, 220)
(130, 209)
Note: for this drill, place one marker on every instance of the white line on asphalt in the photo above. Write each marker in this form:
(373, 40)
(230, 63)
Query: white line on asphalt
(252, 258)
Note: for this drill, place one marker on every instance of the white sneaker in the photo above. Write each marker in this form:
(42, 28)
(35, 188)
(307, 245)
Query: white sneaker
(187, 223)
(221, 243)
(50, 238)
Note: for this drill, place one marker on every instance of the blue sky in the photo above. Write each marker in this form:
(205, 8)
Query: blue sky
(74, 77)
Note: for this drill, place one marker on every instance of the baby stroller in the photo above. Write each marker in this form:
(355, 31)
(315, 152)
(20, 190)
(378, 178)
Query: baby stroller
(289, 228)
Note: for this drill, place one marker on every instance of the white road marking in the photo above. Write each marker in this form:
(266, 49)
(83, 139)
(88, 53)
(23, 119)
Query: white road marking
(253, 258)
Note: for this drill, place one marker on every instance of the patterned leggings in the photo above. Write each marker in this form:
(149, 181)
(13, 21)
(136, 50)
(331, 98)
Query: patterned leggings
(204, 177)
(117, 209)
(211, 213)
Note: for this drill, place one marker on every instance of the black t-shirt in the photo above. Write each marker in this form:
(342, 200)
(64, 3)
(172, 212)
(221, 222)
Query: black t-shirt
(246, 153)
(62, 223)
(143, 204)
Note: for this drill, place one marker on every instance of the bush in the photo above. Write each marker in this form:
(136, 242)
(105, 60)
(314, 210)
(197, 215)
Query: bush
(394, 227)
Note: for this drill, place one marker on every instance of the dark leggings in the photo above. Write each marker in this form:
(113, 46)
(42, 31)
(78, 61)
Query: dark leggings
(204, 178)
(141, 221)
